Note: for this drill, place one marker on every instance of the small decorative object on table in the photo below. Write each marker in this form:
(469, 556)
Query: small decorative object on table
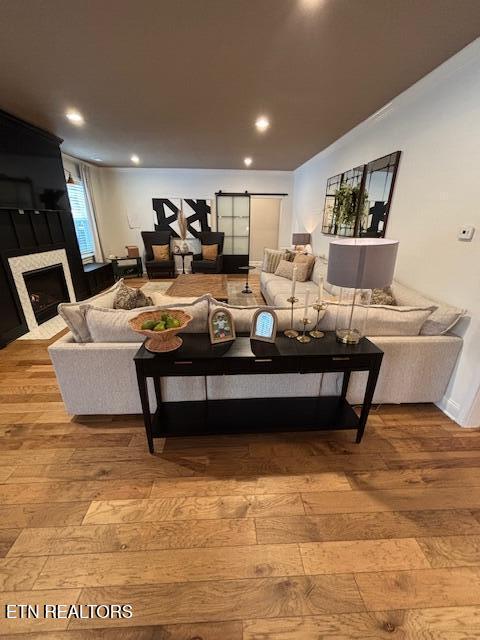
(221, 326)
(318, 306)
(182, 230)
(304, 338)
(264, 325)
(132, 251)
(291, 333)
(247, 268)
(161, 328)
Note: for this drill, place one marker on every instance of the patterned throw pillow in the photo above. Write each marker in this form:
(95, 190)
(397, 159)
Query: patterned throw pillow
(129, 298)
(383, 296)
(161, 252)
(285, 270)
(271, 259)
(290, 255)
(305, 258)
(209, 251)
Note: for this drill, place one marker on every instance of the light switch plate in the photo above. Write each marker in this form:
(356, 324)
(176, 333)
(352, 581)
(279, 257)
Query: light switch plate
(466, 232)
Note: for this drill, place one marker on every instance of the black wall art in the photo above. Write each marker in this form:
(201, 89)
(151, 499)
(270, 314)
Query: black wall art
(198, 213)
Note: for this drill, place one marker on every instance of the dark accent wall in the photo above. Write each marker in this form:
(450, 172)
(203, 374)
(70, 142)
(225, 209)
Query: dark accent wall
(31, 156)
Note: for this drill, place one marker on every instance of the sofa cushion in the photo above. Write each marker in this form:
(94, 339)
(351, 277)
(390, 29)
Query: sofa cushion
(305, 258)
(383, 296)
(130, 298)
(271, 259)
(74, 315)
(161, 252)
(442, 320)
(209, 251)
(279, 296)
(111, 325)
(383, 320)
(320, 269)
(285, 270)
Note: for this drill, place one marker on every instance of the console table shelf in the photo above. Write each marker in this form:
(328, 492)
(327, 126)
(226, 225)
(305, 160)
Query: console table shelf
(262, 415)
(197, 357)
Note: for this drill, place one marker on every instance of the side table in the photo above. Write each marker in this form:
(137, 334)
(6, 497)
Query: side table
(247, 268)
(127, 270)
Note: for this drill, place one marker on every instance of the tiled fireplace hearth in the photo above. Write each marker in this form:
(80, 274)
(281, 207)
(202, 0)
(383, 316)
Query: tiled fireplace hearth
(31, 274)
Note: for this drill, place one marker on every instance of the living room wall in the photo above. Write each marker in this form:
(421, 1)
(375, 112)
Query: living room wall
(436, 125)
(122, 191)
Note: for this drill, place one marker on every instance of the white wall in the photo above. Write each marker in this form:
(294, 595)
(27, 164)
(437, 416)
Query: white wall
(436, 125)
(118, 191)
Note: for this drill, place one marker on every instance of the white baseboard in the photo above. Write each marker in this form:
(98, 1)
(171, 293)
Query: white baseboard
(451, 409)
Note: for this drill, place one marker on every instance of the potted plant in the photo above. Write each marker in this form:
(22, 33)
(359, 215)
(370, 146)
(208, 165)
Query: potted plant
(348, 205)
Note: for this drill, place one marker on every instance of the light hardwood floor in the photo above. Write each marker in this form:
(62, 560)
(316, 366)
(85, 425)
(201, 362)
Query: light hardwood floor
(263, 537)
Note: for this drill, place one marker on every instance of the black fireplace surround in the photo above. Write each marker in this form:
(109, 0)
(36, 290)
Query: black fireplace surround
(35, 216)
(46, 288)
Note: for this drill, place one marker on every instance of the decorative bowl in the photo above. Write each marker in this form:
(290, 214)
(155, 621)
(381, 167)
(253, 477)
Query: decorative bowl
(161, 341)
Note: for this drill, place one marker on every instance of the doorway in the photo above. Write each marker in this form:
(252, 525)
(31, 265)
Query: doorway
(264, 225)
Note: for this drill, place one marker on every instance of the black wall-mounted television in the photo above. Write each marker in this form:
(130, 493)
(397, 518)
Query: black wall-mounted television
(31, 170)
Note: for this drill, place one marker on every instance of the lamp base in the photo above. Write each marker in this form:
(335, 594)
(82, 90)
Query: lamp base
(316, 334)
(304, 338)
(291, 333)
(348, 336)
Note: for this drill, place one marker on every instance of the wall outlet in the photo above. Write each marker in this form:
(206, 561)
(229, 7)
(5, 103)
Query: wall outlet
(466, 232)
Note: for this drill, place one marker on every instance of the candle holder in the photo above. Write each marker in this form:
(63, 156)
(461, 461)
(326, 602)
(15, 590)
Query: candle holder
(315, 333)
(304, 338)
(291, 333)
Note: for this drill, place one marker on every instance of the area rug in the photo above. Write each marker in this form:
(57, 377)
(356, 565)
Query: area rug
(234, 287)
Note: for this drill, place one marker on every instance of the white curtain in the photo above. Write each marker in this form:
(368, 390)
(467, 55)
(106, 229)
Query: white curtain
(86, 178)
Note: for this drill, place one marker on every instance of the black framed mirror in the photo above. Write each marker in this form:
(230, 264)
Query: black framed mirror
(357, 202)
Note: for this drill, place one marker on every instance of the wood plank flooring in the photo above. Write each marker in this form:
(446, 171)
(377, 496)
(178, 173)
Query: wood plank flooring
(264, 537)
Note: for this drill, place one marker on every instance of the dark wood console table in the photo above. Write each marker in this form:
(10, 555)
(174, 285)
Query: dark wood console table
(197, 357)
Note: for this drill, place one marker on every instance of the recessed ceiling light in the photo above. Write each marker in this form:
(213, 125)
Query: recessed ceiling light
(135, 159)
(262, 123)
(247, 161)
(97, 159)
(75, 117)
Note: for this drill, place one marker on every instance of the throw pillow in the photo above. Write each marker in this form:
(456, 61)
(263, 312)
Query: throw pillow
(440, 322)
(74, 317)
(305, 258)
(383, 296)
(271, 259)
(285, 270)
(129, 298)
(161, 252)
(209, 251)
(111, 325)
(290, 255)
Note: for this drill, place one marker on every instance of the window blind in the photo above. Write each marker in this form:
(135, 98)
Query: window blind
(78, 205)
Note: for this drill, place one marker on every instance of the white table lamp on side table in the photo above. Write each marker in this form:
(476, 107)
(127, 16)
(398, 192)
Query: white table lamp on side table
(355, 264)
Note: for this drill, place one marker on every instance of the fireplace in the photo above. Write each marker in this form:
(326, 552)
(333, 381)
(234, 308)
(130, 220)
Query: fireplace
(46, 288)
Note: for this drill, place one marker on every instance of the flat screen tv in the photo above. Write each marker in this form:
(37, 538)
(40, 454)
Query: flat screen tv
(31, 170)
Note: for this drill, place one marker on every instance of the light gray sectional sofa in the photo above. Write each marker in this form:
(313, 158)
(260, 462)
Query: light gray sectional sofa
(95, 369)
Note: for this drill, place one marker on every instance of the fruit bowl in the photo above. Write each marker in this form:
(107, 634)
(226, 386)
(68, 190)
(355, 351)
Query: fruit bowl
(161, 341)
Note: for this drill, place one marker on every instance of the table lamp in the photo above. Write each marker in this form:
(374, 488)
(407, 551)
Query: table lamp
(358, 264)
(300, 240)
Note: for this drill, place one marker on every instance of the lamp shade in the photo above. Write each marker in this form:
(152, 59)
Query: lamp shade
(300, 238)
(362, 263)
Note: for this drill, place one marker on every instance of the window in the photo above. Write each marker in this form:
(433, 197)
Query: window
(78, 204)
